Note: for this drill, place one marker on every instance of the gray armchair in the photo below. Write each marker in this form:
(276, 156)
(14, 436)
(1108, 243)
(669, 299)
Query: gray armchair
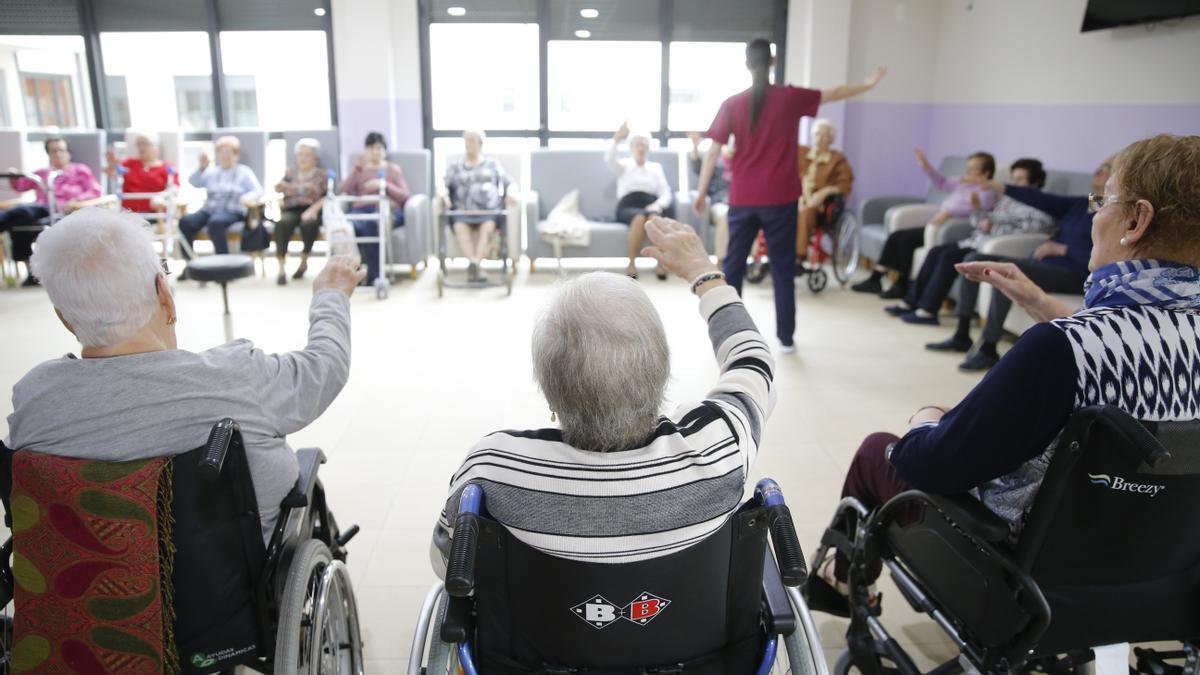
(413, 243)
(881, 216)
(554, 173)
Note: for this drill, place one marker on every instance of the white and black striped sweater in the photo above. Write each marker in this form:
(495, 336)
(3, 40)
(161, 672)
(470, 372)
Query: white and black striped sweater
(1142, 359)
(672, 491)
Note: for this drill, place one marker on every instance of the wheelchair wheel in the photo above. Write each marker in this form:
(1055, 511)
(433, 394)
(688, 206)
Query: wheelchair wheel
(318, 618)
(817, 280)
(845, 247)
(757, 270)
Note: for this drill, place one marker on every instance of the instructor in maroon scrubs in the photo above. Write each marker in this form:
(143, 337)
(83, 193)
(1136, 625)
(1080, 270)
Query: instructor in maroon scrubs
(765, 119)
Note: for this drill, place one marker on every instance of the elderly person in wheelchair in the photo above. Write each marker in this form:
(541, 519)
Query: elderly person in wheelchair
(1011, 444)
(824, 173)
(618, 489)
(476, 183)
(134, 395)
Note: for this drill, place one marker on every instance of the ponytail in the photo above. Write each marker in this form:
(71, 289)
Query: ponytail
(758, 60)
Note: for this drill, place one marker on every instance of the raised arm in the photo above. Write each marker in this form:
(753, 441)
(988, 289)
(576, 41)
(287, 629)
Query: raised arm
(298, 386)
(850, 90)
(610, 157)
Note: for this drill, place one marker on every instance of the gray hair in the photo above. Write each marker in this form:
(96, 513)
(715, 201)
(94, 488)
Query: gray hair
(310, 143)
(132, 136)
(600, 357)
(477, 133)
(823, 122)
(639, 135)
(100, 269)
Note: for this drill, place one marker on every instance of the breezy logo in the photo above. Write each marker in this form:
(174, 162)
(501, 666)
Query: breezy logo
(1118, 483)
(599, 612)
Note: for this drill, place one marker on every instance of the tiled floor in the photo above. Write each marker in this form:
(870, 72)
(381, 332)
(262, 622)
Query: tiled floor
(431, 376)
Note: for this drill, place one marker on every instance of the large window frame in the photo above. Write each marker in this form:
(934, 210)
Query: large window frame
(666, 11)
(220, 91)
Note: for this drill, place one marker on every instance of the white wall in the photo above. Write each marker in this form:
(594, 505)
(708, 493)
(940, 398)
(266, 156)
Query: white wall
(1031, 51)
(902, 35)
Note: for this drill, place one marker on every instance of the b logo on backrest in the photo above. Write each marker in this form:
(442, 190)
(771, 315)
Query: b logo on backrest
(599, 612)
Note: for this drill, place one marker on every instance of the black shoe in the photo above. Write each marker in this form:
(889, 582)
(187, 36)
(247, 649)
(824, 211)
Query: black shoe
(867, 286)
(978, 361)
(897, 310)
(896, 292)
(30, 282)
(951, 344)
(660, 273)
(916, 319)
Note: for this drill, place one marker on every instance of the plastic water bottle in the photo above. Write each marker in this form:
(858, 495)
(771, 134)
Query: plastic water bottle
(338, 230)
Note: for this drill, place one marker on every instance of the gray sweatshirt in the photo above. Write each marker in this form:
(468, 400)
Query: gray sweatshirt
(165, 403)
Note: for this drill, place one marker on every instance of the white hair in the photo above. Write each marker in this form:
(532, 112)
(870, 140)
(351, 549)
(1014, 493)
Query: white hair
(639, 135)
(600, 357)
(823, 122)
(310, 143)
(100, 270)
(478, 133)
(132, 136)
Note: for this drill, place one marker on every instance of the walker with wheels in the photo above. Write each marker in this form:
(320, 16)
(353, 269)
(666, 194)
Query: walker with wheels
(834, 240)
(334, 213)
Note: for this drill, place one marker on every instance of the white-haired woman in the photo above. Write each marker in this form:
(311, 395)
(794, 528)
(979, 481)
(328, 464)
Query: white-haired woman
(636, 484)
(134, 394)
(303, 189)
(145, 171)
(642, 191)
(231, 189)
(824, 172)
(476, 183)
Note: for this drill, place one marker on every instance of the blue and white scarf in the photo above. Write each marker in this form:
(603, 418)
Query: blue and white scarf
(1157, 283)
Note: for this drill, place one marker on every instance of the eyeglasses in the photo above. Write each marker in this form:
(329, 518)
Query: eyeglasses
(166, 270)
(1099, 201)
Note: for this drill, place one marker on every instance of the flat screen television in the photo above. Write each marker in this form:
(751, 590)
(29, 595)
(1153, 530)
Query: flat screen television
(1101, 14)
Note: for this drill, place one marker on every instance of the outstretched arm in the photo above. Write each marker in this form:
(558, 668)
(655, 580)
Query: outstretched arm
(850, 90)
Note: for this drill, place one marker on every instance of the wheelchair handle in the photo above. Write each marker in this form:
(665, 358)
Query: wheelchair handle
(460, 570)
(788, 553)
(219, 439)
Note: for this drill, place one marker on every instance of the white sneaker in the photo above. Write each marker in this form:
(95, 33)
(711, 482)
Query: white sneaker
(787, 349)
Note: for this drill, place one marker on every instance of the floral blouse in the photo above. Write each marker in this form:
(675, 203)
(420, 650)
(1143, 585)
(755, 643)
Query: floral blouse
(303, 190)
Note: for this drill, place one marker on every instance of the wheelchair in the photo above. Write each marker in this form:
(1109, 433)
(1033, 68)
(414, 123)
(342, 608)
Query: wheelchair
(1109, 555)
(172, 574)
(508, 268)
(722, 606)
(834, 241)
(8, 265)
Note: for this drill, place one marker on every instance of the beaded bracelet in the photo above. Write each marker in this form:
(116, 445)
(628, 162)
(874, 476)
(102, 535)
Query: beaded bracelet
(705, 278)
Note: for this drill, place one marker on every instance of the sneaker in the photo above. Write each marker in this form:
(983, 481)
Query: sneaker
(916, 319)
(897, 310)
(867, 286)
(787, 347)
(950, 344)
(895, 292)
(978, 361)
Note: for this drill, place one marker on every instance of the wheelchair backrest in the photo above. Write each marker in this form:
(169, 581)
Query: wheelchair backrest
(554, 173)
(145, 583)
(1112, 538)
(700, 605)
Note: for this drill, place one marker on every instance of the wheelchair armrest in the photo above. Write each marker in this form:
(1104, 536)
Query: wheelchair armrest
(969, 514)
(309, 460)
(777, 607)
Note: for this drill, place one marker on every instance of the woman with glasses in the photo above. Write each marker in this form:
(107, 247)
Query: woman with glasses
(133, 394)
(1141, 314)
(1057, 266)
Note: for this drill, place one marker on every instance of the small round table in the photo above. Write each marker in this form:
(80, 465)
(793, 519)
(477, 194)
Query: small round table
(222, 269)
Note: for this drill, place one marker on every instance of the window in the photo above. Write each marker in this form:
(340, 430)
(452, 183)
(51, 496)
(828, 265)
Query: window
(151, 64)
(44, 82)
(484, 76)
(595, 86)
(276, 79)
(703, 75)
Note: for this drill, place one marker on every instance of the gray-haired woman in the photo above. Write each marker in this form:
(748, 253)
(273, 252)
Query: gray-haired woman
(134, 394)
(303, 189)
(636, 484)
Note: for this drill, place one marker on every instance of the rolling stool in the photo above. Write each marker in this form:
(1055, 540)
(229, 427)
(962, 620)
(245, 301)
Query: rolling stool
(222, 269)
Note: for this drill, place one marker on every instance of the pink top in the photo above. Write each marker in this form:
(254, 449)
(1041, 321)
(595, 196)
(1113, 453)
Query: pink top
(397, 188)
(958, 202)
(75, 183)
(766, 161)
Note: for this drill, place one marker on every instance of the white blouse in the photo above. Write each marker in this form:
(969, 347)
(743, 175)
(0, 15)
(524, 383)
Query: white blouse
(649, 177)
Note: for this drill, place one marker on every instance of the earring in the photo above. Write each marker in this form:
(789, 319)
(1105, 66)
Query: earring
(171, 321)
(1123, 242)
(553, 416)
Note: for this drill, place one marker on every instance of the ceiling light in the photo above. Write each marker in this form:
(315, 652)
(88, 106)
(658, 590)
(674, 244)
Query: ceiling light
(457, 11)
(320, 11)
(589, 13)
(583, 34)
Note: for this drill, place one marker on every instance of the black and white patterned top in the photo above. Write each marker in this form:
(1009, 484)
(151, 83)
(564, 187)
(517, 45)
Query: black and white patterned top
(1142, 359)
(476, 188)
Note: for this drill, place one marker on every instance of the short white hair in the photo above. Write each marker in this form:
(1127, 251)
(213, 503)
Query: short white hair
(132, 136)
(478, 133)
(600, 357)
(639, 135)
(100, 270)
(310, 143)
(823, 122)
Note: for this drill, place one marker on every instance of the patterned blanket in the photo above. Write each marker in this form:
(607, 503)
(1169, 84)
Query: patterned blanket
(92, 561)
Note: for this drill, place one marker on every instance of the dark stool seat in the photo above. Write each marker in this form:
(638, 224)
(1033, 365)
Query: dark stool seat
(221, 268)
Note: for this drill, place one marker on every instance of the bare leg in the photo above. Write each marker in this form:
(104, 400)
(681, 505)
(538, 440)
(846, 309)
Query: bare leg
(486, 228)
(462, 235)
(282, 263)
(637, 233)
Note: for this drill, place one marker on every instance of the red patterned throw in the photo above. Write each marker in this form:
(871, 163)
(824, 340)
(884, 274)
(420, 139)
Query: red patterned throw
(92, 558)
